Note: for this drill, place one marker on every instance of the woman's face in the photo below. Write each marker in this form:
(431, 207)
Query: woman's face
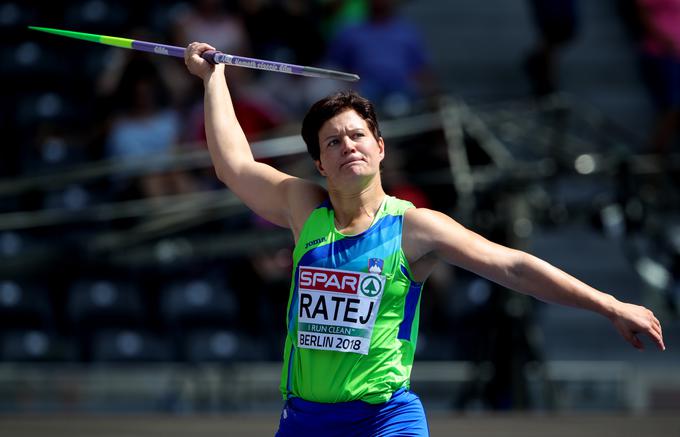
(348, 148)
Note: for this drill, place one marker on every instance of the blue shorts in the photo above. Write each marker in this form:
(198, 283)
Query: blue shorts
(402, 415)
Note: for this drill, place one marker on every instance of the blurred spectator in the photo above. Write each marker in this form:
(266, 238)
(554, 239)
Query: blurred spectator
(208, 21)
(396, 178)
(389, 55)
(338, 14)
(284, 31)
(557, 24)
(225, 29)
(258, 113)
(176, 87)
(266, 274)
(144, 126)
(660, 20)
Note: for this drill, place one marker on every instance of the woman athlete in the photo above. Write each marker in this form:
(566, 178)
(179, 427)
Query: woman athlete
(360, 261)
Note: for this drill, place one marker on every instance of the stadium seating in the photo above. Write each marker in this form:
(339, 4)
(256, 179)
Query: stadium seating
(129, 346)
(35, 346)
(24, 306)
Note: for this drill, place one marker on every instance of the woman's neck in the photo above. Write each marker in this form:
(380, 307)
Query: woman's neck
(356, 211)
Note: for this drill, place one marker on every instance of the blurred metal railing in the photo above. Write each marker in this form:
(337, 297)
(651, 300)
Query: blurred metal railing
(194, 156)
(576, 385)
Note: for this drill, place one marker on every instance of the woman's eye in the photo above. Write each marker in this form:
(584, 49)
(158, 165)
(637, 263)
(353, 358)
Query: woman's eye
(332, 142)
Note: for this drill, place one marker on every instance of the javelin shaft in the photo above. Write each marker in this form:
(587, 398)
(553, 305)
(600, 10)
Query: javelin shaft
(279, 67)
(211, 56)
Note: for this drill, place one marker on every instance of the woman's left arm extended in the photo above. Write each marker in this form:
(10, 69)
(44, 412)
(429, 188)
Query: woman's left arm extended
(432, 235)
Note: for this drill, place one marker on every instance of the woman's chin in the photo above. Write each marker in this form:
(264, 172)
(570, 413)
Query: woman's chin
(353, 176)
(355, 171)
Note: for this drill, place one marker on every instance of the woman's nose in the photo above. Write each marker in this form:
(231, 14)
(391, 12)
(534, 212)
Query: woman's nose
(348, 145)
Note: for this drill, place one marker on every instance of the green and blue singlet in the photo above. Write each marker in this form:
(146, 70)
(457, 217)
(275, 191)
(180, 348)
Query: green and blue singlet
(352, 311)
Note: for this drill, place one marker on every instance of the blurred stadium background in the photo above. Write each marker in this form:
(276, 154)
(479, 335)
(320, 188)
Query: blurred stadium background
(132, 283)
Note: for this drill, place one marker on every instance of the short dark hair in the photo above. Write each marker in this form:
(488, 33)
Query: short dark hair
(329, 107)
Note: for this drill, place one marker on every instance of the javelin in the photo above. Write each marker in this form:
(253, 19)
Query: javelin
(212, 56)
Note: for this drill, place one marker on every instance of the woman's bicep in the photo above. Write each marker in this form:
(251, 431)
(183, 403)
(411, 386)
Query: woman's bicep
(451, 242)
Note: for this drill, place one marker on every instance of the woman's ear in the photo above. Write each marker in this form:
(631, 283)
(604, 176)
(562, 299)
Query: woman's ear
(319, 167)
(381, 147)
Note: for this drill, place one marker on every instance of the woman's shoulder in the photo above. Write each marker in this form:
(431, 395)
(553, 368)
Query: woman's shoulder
(397, 206)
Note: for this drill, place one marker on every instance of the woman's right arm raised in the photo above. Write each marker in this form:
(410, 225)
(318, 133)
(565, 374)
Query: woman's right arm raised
(276, 196)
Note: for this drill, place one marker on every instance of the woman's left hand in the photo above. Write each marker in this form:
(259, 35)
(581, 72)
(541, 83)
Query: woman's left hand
(631, 320)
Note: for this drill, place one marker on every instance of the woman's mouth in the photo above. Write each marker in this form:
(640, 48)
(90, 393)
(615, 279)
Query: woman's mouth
(350, 162)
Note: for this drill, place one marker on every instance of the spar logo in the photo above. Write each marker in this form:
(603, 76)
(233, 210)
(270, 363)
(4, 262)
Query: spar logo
(330, 280)
(370, 286)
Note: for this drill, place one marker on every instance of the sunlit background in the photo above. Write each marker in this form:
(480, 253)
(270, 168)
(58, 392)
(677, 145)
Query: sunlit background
(133, 283)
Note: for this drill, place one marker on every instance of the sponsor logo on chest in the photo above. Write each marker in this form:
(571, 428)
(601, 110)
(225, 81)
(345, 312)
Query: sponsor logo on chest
(329, 280)
(337, 308)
